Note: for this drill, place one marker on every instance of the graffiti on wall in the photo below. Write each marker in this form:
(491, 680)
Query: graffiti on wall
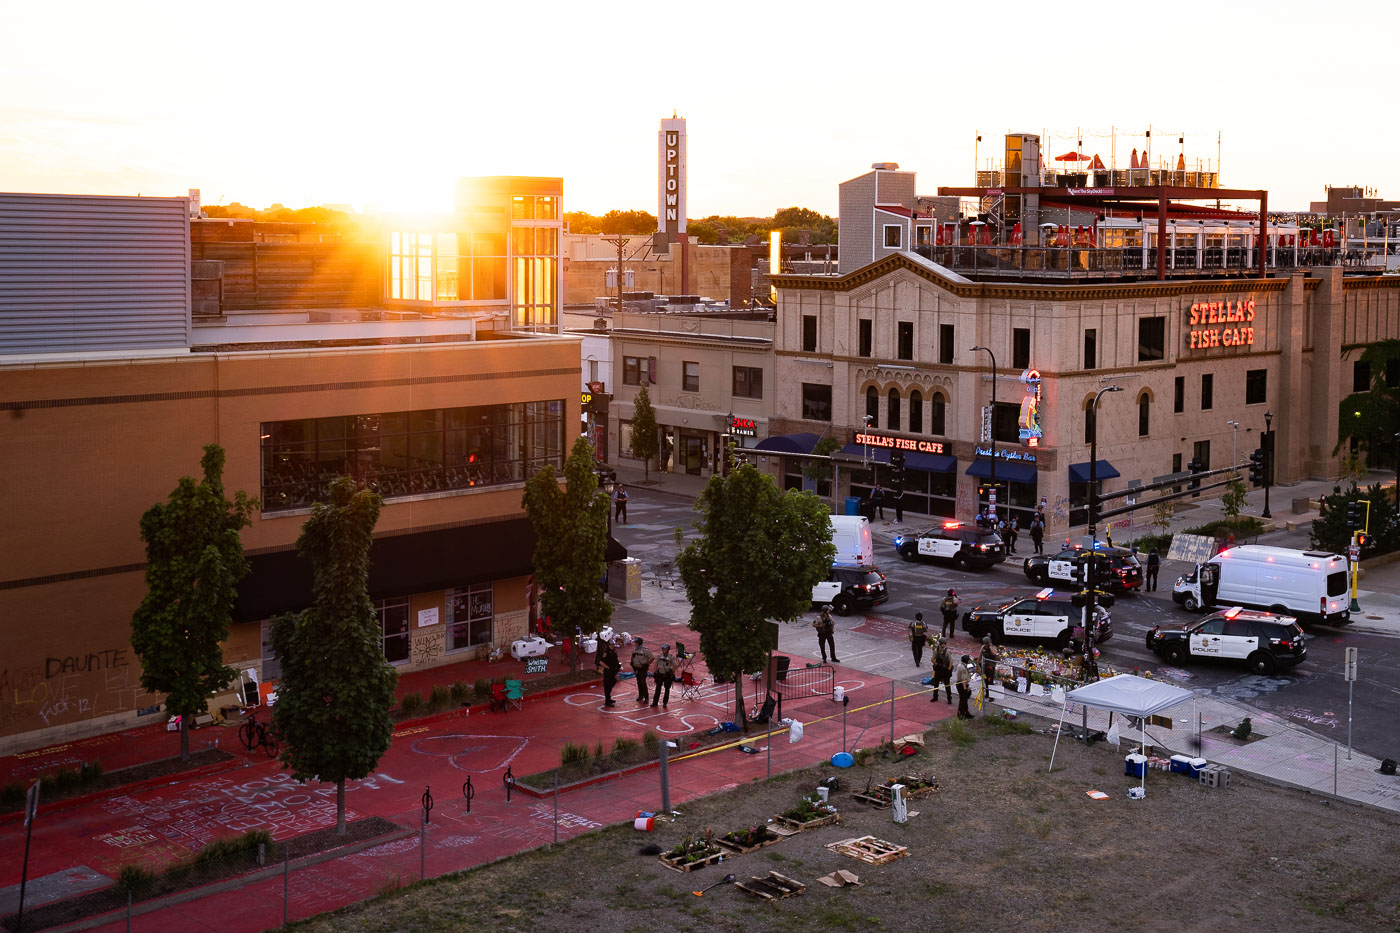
(70, 687)
(427, 647)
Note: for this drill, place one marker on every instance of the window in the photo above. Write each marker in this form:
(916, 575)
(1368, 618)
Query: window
(1152, 338)
(748, 382)
(1091, 348)
(1021, 347)
(867, 336)
(816, 402)
(945, 344)
(1006, 422)
(1211, 627)
(632, 370)
(1144, 415)
(906, 340)
(401, 454)
(1176, 463)
(1207, 391)
(809, 333)
(1201, 452)
(872, 406)
(1179, 394)
(411, 276)
(1392, 373)
(916, 412)
(469, 617)
(1361, 376)
(938, 412)
(1256, 386)
(690, 377)
(393, 624)
(1088, 420)
(892, 413)
(894, 234)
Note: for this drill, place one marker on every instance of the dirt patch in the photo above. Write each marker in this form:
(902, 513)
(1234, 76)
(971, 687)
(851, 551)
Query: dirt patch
(111, 780)
(1003, 843)
(1224, 732)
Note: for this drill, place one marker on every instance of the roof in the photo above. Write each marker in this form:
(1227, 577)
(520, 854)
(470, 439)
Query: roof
(1130, 695)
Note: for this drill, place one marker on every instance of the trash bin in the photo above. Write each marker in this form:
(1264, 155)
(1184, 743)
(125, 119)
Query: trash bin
(867, 508)
(781, 662)
(852, 505)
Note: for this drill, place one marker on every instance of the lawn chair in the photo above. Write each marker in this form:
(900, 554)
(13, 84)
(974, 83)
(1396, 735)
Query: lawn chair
(685, 673)
(499, 701)
(515, 694)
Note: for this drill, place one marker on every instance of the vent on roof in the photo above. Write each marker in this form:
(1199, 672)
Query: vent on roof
(885, 166)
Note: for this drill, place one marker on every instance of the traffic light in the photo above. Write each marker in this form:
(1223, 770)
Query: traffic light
(1360, 539)
(1194, 467)
(1354, 514)
(897, 470)
(1256, 467)
(726, 453)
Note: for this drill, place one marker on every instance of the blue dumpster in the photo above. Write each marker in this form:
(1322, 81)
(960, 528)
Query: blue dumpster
(852, 505)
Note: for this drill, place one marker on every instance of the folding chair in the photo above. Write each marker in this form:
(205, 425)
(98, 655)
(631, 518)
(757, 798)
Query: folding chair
(515, 693)
(685, 673)
(498, 698)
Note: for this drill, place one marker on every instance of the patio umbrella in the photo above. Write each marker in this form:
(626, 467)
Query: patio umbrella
(1097, 163)
(1181, 162)
(1016, 234)
(1072, 157)
(1134, 162)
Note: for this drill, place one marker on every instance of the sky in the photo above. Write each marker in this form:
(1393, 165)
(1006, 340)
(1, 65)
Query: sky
(384, 105)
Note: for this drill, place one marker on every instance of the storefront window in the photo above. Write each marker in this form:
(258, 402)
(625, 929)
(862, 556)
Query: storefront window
(393, 623)
(469, 617)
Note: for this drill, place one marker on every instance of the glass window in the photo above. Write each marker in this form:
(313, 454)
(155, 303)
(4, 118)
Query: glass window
(523, 240)
(1021, 347)
(1006, 422)
(393, 623)
(916, 412)
(809, 333)
(546, 208)
(1361, 376)
(1144, 415)
(1088, 420)
(1211, 627)
(1091, 348)
(945, 344)
(1152, 338)
(631, 370)
(1256, 386)
(690, 377)
(867, 336)
(906, 340)
(816, 402)
(469, 617)
(1207, 391)
(893, 236)
(1179, 394)
(522, 207)
(892, 413)
(872, 406)
(938, 415)
(748, 382)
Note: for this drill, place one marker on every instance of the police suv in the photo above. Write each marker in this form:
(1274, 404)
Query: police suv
(1042, 617)
(1119, 569)
(1265, 641)
(847, 588)
(967, 546)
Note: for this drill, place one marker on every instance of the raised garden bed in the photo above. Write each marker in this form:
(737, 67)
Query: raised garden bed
(692, 854)
(882, 797)
(809, 814)
(752, 839)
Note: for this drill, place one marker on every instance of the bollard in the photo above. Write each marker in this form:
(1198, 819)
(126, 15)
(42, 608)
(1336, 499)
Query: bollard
(509, 780)
(468, 792)
(422, 845)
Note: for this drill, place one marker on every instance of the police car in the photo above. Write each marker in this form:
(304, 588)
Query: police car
(1119, 569)
(847, 588)
(967, 546)
(1265, 641)
(1042, 617)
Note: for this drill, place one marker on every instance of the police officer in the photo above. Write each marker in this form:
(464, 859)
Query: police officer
(989, 659)
(942, 671)
(963, 679)
(663, 676)
(949, 607)
(641, 661)
(918, 637)
(1154, 564)
(608, 663)
(826, 629)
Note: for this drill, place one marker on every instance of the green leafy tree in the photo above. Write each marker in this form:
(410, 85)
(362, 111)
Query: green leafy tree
(1371, 416)
(194, 560)
(627, 222)
(582, 222)
(645, 444)
(1330, 531)
(571, 527)
(1162, 515)
(332, 710)
(819, 471)
(1232, 500)
(759, 552)
(793, 220)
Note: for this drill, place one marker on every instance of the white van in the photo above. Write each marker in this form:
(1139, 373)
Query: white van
(854, 545)
(1308, 585)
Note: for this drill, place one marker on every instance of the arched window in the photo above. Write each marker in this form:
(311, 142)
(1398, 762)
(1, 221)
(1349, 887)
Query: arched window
(872, 406)
(938, 409)
(892, 412)
(1088, 419)
(916, 412)
(1144, 415)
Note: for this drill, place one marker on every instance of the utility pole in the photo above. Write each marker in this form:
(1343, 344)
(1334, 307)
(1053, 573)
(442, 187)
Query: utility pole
(620, 240)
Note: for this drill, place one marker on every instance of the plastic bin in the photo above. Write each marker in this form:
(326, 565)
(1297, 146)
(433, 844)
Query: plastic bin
(1135, 765)
(1181, 764)
(1196, 765)
(852, 505)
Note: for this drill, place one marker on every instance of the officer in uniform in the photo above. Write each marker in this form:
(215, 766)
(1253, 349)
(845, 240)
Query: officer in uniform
(989, 659)
(825, 630)
(641, 661)
(942, 671)
(949, 608)
(918, 637)
(608, 663)
(663, 676)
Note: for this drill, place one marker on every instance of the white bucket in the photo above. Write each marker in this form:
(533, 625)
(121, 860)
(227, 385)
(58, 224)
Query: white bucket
(822, 793)
(838, 694)
(645, 823)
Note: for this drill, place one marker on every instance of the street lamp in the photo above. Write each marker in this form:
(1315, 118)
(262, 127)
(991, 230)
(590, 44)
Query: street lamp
(991, 441)
(1094, 463)
(1268, 459)
(1234, 427)
(607, 480)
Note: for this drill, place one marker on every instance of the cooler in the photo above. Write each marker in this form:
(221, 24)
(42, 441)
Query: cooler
(1181, 764)
(1196, 765)
(1135, 765)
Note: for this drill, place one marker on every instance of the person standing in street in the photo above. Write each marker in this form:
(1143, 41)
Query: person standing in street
(942, 671)
(989, 659)
(608, 663)
(898, 500)
(641, 662)
(949, 608)
(663, 677)
(918, 637)
(620, 498)
(1154, 564)
(826, 630)
(877, 500)
(1038, 534)
(1011, 535)
(963, 679)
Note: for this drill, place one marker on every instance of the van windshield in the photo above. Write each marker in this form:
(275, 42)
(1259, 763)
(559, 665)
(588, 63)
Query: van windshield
(1337, 583)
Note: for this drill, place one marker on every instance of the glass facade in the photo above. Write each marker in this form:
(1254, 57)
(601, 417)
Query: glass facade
(409, 453)
(534, 234)
(447, 267)
(393, 623)
(469, 615)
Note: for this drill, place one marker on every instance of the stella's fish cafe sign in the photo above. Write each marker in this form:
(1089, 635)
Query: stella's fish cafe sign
(899, 443)
(1217, 324)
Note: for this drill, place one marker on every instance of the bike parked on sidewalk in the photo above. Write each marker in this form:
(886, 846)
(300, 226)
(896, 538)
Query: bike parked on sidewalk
(254, 734)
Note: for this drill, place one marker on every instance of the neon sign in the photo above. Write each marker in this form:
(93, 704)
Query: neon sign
(744, 426)
(1030, 409)
(900, 443)
(1209, 322)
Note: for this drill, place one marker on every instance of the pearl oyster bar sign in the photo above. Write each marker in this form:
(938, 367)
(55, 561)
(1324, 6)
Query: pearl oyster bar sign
(1220, 324)
(900, 443)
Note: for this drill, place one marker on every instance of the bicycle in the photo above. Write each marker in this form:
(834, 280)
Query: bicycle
(254, 734)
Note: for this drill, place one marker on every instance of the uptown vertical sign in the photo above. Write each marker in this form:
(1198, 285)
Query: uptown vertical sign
(670, 203)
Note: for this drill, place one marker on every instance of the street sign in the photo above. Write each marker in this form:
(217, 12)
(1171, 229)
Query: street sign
(986, 424)
(31, 803)
(1354, 552)
(1349, 669)
(992, 502)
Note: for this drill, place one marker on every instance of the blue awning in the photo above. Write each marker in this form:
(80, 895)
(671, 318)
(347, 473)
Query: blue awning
(1079, 472)
(788, 443)
(1008, 470)
(913, 460)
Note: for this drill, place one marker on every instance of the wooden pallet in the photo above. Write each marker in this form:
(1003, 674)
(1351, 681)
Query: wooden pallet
(774, 887)
(881, 798)
(810, 824)
(869, 849)
(742, 850)
(677, 865)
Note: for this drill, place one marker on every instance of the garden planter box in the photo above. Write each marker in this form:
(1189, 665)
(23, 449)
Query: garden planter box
(769, 838)
(677, 863)
(799, 826)
(881, 798)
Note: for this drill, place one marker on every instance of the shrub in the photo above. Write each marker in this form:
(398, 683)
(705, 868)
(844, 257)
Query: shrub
(12, 794)
(440, 698)
(625, 750)
(482, 688)
(92, 771)
(136, 879)
(571, 754)
(411, 704)
(959, 733)
(219, 851)
(650, 741)
(461, 692)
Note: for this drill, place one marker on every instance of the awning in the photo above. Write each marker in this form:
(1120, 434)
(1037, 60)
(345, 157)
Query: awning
(789, 443)
(402, 565)
(1009, 470)
(1079, 472)
(913, 460)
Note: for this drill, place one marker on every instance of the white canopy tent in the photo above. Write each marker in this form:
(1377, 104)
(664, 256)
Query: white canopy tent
(1129, 695)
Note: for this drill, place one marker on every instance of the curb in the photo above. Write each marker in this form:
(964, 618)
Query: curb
(462, 712)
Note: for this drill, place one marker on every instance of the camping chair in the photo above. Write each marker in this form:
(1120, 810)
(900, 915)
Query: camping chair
(515, 694)
(498, 698)
(685, 673)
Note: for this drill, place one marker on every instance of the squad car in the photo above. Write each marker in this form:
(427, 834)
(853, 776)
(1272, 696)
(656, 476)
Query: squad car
(1265, 641)
(847, 588)
(1042, 617)
(966, 546)
(1120, 569)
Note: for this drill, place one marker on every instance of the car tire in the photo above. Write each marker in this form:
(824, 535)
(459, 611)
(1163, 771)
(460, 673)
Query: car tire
(960, 561)
(907, 553)
(1191, 604)
(1262, 663)
(842, 605)
(1280, 610)
(1174, 654)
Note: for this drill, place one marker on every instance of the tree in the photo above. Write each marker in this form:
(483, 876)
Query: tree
(819, 471)
(571, 528)
(793, 220)
(332, 711)
(1330, 532)
(627, 223)
(1371, 416)
(644, 430)
(1232, 500)
(1162, 515)
(758, 554)
(194, 560)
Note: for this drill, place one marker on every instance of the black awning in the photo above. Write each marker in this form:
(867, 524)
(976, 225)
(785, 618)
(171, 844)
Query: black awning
(402, 565)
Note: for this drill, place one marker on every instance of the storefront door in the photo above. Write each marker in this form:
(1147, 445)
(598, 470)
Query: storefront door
(694, 454)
